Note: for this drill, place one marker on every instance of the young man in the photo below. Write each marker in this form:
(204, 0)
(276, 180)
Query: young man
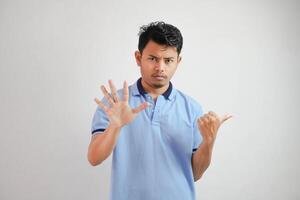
(161, 140)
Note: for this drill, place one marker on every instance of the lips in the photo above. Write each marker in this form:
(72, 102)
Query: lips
(159, 76)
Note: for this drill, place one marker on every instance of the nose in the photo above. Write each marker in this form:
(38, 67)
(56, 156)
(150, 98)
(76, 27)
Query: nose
(159, 65)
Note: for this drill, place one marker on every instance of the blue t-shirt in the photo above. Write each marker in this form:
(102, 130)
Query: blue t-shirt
(152, 157)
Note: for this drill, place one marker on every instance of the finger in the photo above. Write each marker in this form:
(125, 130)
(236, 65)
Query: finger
(205, 116)
(209, 117)
(205, 119)
(213, 114)
(113, 91)
(140, 107)
(107, 95)
(225, 117)
(199, 122)
(101, 105)
(125, 91)
(213, 117)
(211, 120)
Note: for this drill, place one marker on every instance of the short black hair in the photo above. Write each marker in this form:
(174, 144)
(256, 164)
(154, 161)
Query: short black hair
(161, 33)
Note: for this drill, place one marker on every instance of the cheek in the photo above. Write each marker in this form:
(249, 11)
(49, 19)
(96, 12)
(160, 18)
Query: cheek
(172, 70)
(146, 67)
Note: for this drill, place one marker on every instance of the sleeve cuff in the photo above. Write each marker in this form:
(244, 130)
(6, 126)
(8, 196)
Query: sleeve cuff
(98, 130)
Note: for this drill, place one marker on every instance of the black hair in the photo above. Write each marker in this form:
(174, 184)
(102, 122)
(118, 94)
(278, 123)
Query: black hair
(161, 33)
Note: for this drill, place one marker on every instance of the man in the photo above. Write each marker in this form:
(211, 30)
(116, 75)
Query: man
(161, 140)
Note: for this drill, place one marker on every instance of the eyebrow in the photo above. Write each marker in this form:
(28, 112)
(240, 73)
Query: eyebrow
(164, 58)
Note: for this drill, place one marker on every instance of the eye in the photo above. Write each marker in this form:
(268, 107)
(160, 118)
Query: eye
(151, 58)
(169, 61)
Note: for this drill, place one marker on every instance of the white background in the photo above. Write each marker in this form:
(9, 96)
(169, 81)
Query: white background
(239, 57)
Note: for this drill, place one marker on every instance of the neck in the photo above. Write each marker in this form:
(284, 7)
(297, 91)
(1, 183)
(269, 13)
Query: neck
(154, 92)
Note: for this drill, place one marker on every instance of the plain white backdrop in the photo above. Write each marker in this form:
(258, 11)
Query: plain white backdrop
(239, 57)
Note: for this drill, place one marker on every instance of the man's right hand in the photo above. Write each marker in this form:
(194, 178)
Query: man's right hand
(119, 113)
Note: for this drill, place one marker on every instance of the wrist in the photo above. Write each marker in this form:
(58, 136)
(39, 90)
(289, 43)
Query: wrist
(208, 141)
(114, 126)
(208, 144)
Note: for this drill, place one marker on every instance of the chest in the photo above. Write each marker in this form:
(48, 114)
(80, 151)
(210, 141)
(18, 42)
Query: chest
(165, 126)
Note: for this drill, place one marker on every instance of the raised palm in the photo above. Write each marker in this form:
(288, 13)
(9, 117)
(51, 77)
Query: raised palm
(119, 113)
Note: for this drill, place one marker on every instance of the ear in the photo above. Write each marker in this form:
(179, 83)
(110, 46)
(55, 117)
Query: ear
(178, 59)
(138, 57)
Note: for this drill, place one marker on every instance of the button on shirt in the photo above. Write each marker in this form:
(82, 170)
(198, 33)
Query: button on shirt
(152, 157)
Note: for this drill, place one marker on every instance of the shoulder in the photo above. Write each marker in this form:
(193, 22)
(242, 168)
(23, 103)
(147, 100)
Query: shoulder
(193, 105)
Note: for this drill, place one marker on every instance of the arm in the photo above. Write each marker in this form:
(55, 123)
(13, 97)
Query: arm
(201, 160)
(119, 114)
(208, 126)
(102, 145)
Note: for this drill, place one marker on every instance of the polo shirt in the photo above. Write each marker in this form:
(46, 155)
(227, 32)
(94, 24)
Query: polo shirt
(152, 157)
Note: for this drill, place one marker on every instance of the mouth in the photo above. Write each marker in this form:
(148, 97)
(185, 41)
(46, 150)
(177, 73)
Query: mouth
(159, 77)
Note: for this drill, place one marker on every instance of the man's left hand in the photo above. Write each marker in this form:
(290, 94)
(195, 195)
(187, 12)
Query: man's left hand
(209, 124)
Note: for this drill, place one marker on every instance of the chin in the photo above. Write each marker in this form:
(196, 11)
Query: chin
(160, 84)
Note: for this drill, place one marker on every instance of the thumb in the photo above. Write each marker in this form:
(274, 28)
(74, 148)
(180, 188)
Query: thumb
(225, 117)
(140, 107)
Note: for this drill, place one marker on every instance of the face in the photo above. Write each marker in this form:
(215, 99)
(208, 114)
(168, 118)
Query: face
(157, 63)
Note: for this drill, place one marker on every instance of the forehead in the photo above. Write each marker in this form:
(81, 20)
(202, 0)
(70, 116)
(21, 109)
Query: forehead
(155, 49)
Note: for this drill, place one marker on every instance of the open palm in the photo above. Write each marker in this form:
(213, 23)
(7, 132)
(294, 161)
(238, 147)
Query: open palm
(119, 113)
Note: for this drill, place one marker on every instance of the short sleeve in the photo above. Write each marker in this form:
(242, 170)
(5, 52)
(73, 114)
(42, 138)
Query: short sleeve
(197, 137)
(100, 120)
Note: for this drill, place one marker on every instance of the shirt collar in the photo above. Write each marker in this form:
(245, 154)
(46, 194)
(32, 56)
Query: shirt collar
(139, 90)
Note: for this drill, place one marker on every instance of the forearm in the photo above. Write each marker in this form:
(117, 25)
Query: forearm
(201, 159)
(103, 145)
